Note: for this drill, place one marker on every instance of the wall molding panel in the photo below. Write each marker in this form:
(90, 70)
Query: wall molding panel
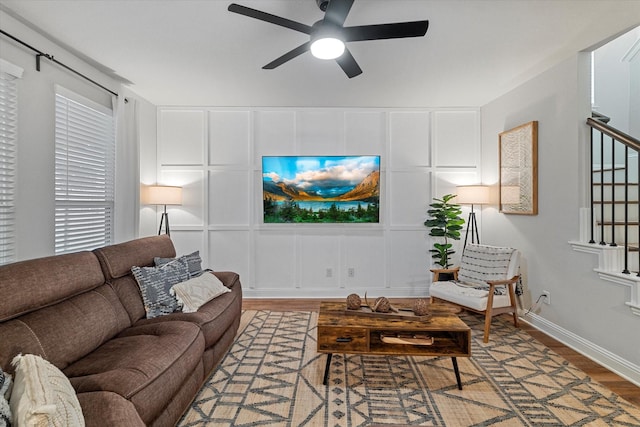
(216, 154)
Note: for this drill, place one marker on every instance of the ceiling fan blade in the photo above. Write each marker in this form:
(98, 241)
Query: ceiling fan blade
(348, 64)
(386, 31)
(267, 17)
(337, 11)
(288, 56)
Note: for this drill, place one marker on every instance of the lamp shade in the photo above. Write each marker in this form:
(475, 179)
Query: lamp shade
(161, 195)
(472, 195)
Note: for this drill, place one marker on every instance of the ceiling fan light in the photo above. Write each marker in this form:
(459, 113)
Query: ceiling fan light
(327, 48)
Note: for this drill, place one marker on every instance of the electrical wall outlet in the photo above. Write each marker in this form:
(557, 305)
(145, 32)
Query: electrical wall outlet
(329, 272)
(351, 272)
(547, 297)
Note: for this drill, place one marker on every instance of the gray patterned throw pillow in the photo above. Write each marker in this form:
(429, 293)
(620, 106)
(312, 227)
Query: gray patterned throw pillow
(193, 261)
(5, 410)
(155, 283)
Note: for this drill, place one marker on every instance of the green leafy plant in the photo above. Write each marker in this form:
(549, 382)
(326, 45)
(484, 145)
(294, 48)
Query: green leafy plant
(444, 221)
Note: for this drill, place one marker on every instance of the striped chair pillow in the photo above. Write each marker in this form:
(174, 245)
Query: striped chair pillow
(481, 263)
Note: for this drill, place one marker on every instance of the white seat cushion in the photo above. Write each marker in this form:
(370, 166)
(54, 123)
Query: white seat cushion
(466, 296)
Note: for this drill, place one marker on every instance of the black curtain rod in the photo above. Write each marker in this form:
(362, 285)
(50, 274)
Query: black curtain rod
(40, 54)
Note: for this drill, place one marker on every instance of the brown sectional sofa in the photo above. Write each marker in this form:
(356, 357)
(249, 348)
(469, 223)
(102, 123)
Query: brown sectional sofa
(84, 313)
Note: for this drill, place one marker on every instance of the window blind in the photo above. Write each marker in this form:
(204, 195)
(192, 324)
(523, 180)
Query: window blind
(84, 174)
(8, 119)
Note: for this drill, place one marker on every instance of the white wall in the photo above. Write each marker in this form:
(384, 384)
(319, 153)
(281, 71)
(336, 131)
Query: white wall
(215, 153)
(614, 80)
(148, 136)
(583, 309)
(634, 107)
(35, 168)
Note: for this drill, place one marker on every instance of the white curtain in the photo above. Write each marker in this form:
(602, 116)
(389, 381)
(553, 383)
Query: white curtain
(127, 211)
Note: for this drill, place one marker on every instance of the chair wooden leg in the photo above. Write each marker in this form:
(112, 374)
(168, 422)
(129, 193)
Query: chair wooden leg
(514, 306)
(487, 325)
(488, 314)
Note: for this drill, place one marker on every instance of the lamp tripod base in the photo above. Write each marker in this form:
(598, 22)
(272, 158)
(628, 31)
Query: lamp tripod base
(164, 220)
(473, 227)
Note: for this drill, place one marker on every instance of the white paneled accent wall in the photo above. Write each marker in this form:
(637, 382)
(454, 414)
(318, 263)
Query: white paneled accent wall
(215, 154)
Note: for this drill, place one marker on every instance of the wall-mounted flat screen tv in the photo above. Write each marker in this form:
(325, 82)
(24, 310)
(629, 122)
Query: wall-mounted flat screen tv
(321, 189)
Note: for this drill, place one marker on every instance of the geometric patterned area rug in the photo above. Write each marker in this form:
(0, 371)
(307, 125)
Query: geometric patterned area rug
(272, 376)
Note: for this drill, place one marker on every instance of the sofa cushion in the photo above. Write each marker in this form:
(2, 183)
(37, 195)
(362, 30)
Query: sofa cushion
(42, 395)
(67, 331)
(155, 284)
(215, 316)
(482, 263)
(197, 291)
(117, 260)
(146, 364)
(50, 280)
(128, 291)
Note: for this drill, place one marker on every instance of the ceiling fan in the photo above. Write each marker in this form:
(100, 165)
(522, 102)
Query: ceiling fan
(330, 32)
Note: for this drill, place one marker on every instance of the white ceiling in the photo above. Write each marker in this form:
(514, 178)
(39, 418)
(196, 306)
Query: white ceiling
(195, 52)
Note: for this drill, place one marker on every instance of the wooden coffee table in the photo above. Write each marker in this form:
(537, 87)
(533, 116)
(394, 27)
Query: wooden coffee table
(342, 331)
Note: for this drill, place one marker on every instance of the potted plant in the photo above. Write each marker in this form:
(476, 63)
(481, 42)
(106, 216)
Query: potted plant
(444, 221)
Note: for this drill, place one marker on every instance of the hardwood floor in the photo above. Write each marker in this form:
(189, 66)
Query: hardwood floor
(613, 382)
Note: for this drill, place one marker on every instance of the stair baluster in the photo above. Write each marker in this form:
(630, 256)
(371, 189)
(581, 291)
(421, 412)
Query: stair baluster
(631, 147)
(613, 194)
(591, 189)
(602, 242)
(626, 210)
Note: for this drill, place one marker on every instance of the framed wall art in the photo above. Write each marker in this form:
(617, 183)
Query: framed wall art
(518, 153)
(321, 189)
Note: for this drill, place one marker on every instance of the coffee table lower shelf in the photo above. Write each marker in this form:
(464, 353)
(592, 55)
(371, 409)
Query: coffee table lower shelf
(330, 356)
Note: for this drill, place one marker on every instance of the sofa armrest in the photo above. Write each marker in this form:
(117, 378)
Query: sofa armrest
(228, 278)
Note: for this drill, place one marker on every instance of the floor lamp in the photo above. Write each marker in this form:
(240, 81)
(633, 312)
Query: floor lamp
(472, 195)
(162, 195)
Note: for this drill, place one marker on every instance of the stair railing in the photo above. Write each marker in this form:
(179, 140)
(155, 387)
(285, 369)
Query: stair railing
(615, 138)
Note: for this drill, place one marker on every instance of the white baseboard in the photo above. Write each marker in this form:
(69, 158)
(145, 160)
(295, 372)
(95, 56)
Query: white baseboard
(612, 362)
(330, 292)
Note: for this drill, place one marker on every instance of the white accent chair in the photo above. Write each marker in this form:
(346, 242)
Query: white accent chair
(483, 270)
